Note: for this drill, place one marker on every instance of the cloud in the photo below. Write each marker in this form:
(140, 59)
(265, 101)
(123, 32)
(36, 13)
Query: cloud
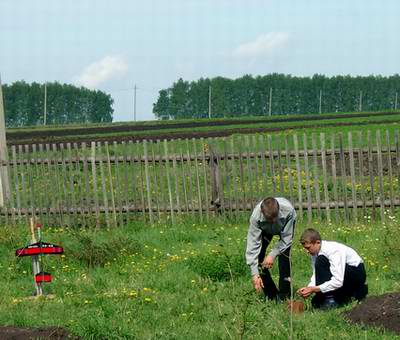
(100, 71)
(262, 46)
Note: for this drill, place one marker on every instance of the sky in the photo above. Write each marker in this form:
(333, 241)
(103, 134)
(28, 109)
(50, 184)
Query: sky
(114, 45)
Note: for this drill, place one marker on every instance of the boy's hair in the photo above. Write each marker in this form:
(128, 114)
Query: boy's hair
(270, 208)
(310, 235)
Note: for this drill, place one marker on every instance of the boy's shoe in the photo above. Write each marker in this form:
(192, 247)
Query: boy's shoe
(329, 303)
(365, 292)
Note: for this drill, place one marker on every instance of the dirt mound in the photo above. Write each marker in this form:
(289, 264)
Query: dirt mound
(380, 311)
(19, 333)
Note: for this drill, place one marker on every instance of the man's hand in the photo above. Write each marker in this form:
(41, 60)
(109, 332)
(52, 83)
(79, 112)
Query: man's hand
(305, 292)
(257, 283)
(268, 262)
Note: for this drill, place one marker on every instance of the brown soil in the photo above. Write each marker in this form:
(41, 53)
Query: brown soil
(154, 131)
(19, 333)
(50, 137)
(15, 135)
(379, 311)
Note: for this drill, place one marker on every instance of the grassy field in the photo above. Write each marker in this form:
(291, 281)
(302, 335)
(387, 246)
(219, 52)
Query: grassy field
(188, 128)
(181, 281)
(233, 120)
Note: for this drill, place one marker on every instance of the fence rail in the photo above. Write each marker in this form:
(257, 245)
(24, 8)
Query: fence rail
(339, 176)
(178, 158)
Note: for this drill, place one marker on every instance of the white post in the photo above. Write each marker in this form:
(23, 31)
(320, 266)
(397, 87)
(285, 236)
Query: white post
(35, 260)
(320, 101)
(134, 103)
(45, 105)
(270, 101)
(209, 101)
(4, 184)
(360, 102)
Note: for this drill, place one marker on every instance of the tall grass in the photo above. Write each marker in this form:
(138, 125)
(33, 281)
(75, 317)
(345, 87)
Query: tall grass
(183, 281)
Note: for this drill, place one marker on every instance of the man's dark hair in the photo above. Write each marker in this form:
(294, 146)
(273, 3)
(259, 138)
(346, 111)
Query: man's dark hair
(310, 235)
(270, 208)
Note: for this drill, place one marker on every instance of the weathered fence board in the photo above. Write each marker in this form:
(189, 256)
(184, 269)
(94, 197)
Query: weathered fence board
(316, 175)
(334, 178)
(114, 183)
(325, 175)
(298, 174)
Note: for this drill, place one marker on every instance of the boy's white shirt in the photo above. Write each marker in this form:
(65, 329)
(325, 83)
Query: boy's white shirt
(338, 255)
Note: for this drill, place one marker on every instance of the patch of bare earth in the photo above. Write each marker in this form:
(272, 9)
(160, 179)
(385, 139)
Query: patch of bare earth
(380, 311)
(23, 333)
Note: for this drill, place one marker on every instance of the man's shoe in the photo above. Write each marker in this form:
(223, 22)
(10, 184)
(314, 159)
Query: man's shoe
(329, 303)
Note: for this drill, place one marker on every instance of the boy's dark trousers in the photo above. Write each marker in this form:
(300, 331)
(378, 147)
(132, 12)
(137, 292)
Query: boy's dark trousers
(270, 290)
(354, 285)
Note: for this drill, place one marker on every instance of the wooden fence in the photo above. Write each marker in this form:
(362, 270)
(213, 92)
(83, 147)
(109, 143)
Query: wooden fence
(336, 177)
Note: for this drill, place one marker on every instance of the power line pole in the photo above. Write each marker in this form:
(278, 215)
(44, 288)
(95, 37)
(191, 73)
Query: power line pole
(209, 101)
(270, 101)
(360, 102)
(45, 104)
(134, 103)
(320, 101)
(395, 102)
(4, 185)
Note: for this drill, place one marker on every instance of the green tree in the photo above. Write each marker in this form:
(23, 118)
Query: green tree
(24, 104)
(249, 96)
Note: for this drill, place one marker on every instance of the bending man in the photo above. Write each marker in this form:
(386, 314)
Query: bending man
(272, 216)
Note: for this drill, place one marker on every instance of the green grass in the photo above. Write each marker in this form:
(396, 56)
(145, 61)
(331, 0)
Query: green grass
(199, 120)
(181, 281)
(296, 126)
(75, 134)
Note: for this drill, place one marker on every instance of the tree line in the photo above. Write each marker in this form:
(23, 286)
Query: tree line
(276, 94)
(65, 104)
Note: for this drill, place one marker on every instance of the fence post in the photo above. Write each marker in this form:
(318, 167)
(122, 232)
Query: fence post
(148, 187)
(4, 185)
(343, 177)
(171, 204)
(216, 192)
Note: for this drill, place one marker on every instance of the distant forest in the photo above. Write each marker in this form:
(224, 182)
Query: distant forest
(24, 104)
(251, 96)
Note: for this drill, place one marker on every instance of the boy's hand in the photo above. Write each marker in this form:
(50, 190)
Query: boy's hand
(257, 283)
(268, 262)
(305, 292)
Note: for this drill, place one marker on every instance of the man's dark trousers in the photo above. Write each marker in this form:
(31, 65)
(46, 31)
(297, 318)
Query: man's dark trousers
(270, 289)
(354, 285)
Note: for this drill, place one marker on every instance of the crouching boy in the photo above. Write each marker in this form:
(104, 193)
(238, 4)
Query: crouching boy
(338, 272)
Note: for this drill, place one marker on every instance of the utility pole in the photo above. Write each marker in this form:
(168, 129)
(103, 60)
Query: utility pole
(270, 101)
(395, 102)
(209, 101)
(134, 103)
(4, 185)
(360, 102)
(320, 101)
(45, 104)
